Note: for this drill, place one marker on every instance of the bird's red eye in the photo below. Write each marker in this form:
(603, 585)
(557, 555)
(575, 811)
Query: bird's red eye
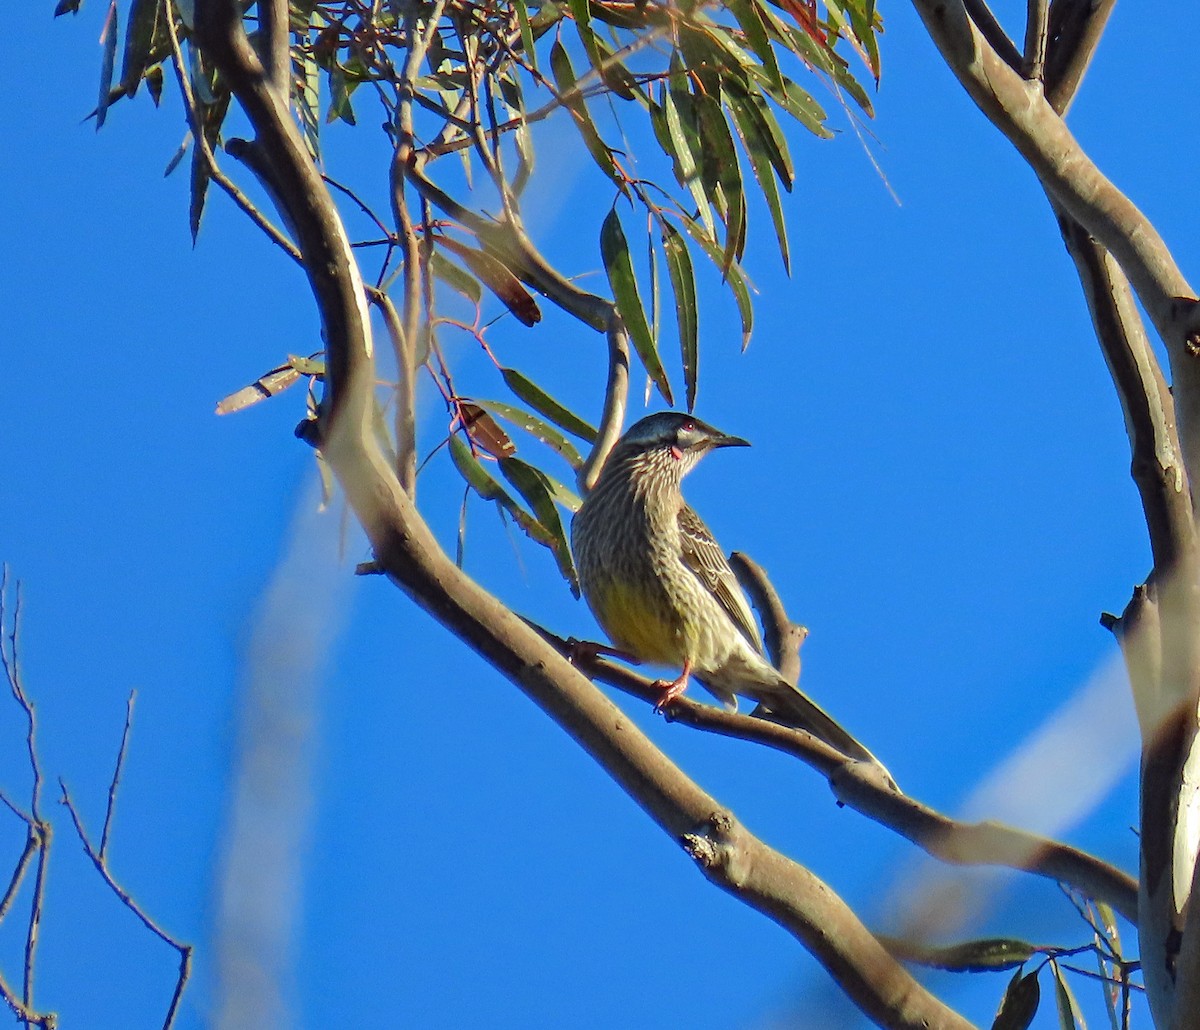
(688, 426)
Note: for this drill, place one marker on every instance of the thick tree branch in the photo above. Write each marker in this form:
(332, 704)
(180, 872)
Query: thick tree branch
(274, 50)
(859, 785)
(1021, 111)
(1075, 30)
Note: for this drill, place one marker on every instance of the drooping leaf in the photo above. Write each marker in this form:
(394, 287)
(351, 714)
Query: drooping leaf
(67, 7)
(751, 111)
(978, 956)
(527, 46)
(564, 79)
(139, 40)
(485, 431)
(179, 155)
(108, 40)
(1020, 1003)
(748, 17)
(1070, 1017)
(497, 277)
(723, 172)
(683, 283)
(734, 276)
(547, 406)
(757, 151)
(618, 265)
(532, 486)
(455, 277)
(484, 484)
(534, 426)
(267, 385)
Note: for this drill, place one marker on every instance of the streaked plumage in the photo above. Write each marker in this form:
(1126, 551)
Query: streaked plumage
(660, 585)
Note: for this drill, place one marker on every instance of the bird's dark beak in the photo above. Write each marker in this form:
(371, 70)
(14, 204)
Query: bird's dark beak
(723, 440)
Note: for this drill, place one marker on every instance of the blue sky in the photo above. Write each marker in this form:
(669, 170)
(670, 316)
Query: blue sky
(938, 486)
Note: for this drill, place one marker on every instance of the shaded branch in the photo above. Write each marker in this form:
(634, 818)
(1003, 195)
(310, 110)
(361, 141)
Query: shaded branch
(273, 41)
(1020, 111)
(858, 785)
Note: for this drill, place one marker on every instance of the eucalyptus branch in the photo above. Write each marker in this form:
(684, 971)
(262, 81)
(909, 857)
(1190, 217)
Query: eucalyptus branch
(1075, 30)
(1036, 29)
(274, 34)
(1032, 125)
(859, 786)
(412, 558)
(404, 349)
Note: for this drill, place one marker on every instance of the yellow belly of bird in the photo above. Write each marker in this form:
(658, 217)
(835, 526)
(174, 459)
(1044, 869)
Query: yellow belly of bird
(640, 623)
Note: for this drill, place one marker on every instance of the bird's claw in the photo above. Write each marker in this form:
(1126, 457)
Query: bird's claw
(671, 691)
(581, 652)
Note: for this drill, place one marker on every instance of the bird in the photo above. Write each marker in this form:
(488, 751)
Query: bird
(661, 587)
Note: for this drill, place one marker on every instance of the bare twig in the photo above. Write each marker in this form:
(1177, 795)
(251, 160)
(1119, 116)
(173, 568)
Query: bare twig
(39, 829)
(110, 808)
(98, 860)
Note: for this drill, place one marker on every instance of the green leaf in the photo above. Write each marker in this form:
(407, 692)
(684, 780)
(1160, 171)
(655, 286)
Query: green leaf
(498, 278)
(108, 39)
(306, 92)
(456, 278)
(199, 191)
(531, 484)
(616, 76)
(748, 17)
(979, 956)
(722, 170)
(617, 264)
(750, 109)
(683, 283)
(139, 39)
(526, 33)
(679, 111)
(535, 427)
(760, 162)
(340, 89)
(484, 484)
(1020, 1003)
(734, 276)
(564, 79)
(1069, 1015)
(545, 405)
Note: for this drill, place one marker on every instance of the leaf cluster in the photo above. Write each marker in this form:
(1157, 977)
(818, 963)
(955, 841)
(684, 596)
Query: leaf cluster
(707, 89)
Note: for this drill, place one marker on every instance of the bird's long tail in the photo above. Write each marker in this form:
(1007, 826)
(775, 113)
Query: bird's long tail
(792, 706)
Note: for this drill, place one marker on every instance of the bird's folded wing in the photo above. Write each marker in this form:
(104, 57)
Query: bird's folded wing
(703, 555)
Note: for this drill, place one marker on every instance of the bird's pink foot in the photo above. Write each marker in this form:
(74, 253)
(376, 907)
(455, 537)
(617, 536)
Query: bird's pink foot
(672, 689)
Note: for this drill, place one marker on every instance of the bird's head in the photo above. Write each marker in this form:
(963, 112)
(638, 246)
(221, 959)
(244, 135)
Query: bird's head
(673, 438)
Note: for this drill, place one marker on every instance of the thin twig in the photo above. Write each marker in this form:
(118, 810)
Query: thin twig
(116, 776)
(40, 832)
(101, 865)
